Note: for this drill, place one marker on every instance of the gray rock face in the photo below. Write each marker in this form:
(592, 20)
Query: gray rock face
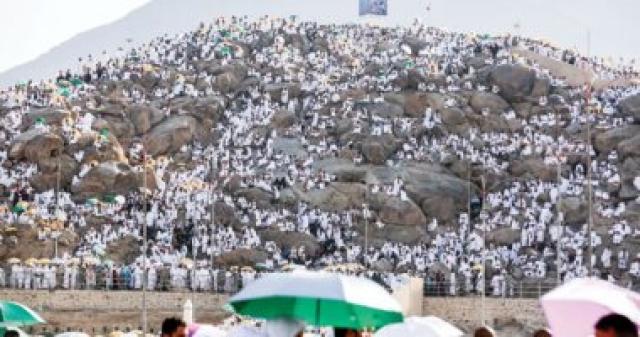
(241, 258)
(629, 147)
(487, 100)
(516, 82)
(503, 236)
(609, 140)
(574, 210)
(144, 117)
(36, 147)
(275, 90)
(291, 240)
(631, 106)
(170, 135)
(283, 119)
(110, 177)
(533, 167)
(629, 170)
(376, 149)
(50, 117)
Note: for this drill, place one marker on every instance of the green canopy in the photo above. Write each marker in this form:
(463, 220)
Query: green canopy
(40, 120)
(226, 51)
(76, 81)
(18, 209)
(109, 198)
(64, 91)
(13, 314)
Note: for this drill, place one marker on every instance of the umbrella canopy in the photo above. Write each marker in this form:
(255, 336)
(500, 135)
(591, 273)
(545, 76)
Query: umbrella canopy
(72, 334)
(16, 314)
(429, 326)
(320, 299)
(573, 309)
(206, 331)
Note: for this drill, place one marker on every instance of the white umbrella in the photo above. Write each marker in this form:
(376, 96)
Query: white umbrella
(209, 331)
(72, 334)
(245, 331)
(573, 309)
(429, 326)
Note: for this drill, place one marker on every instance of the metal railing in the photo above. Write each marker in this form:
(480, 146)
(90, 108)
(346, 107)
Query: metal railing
(513, 289)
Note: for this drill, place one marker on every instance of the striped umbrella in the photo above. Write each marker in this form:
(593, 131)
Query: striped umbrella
(319, 299)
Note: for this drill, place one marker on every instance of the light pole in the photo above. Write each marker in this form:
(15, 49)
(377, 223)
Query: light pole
(213, 170)
(484, 248)
(365, 213)
(144, 243)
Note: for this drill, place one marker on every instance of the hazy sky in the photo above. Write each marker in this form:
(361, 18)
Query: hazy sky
(35, 26)
(31, 27)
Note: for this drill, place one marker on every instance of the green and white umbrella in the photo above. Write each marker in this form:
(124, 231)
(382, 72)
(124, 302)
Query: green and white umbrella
(13, 314)
(319, 299)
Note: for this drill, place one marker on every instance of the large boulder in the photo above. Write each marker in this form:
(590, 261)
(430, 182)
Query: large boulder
(503, 236)
(275, 90)
(20, 141)
(109, 150)
(610, 139)
(574, 209)
(533, 167)
(517, 82)
(37, 147)
(415, 104)
(377, 149)
(144, 117)
(111, 177)
(51, 178)
(383, 109)
(629, 147)
(170, 135)
(335, 197)
(229, 78)
(397, 212)
(291, 240)
(631, 106)
(487, 100)
(261, 197)
(283, 119)
(290, 146)
(241, 257)
(439, 193)
(51, 117)
(629, 171)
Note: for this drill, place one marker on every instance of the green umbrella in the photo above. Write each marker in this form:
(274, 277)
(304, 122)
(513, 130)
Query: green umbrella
(64, 92)
(18, 209)
(104, 132)
(76, 81)
(109, 198)
(319, 299)
(40, 120)
(14, 314)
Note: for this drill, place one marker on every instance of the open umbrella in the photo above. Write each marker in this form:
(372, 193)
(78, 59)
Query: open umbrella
(320, 299)
(573, 309)
(16, 314)
(429, 326)
(72, 334)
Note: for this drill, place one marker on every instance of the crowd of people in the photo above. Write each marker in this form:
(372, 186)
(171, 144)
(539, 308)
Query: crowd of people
(178, 213)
